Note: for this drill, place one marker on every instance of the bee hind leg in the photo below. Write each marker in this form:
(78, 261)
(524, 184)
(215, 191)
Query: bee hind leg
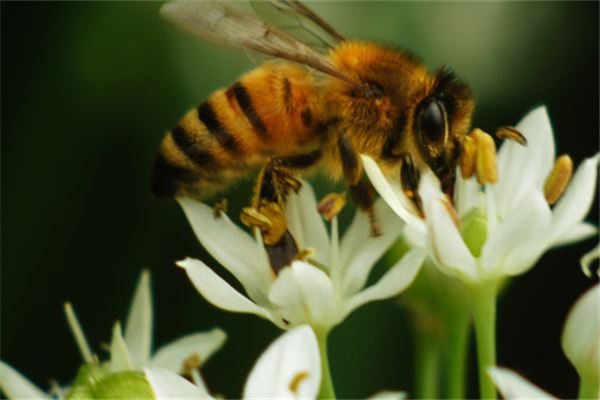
(409, 180)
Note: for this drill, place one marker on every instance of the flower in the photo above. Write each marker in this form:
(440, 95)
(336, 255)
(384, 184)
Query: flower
(128, 352)
(581, 344)
(502, 229)
(289, 368)
(581, 337)
(321, 291)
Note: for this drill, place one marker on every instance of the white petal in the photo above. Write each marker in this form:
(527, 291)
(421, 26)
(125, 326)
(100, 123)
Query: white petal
(289, 368)
(522, 168)
(587, 260)
(466, 195)
(138, 329)
(390, 194)
(172, 355)
(306, 224)
(579, 232)
(398, 278)
(304, 294)
(168, 385)
(513, 386)
(449, 250)
(231, 246)
(16, 386)
(575, 203)
(581, 334)
(516, 243)
(388, 395)
(120, 359)
(360, 250)
(217, 291)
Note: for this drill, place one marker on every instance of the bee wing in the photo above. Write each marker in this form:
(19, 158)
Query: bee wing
(299, 21)
(223, 24)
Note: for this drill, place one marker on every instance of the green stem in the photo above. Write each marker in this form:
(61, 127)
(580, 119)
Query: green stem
(427, 364)
(326, 391)
(459, 324)
(484, 313)
(589, 388)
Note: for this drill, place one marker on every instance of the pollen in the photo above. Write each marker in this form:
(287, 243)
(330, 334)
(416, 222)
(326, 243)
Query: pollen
(191, 364)
(297, 380)
(269, 218)
(558, 179)
(485, 160)
(467, 157)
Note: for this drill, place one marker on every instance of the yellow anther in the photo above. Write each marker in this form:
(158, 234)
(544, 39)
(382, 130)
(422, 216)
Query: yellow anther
(297, 380)
(558, 179)
(220, 208)
(331, 205)
(269, 218)
(485, 161)
(190, 364)
(511, 133)
(467, 157)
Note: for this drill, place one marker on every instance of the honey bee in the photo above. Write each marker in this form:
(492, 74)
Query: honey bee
(318, 108)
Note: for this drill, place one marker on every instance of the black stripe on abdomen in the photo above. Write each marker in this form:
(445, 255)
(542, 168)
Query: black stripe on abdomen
(243, 98)
(166, 178)
(207, 116)
(193, 150)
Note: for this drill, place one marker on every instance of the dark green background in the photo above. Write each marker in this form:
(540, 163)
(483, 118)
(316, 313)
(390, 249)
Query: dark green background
(88, 90)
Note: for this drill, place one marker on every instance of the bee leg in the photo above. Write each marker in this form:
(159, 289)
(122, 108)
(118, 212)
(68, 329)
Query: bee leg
(361, 191)
(409, 180)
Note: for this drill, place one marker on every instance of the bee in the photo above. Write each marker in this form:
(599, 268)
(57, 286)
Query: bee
(319, 107)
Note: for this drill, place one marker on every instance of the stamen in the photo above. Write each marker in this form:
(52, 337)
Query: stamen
(485, 162)
(588, 259)
(467, 157)
(331, 205)
(511, 133)
(269, 218)
(191, 365)
(220, 208)
(558, 179)
(82, 344)
(297, 380)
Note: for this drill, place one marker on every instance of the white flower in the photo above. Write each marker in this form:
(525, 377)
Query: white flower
(581, 336)
(504, 228)
(320, 292)
(289, 368)
(128, 352)
(513, 386)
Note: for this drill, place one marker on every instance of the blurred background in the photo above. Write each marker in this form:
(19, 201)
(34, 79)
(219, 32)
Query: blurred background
(89, 89)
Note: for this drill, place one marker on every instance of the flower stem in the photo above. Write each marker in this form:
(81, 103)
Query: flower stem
(326, 391)
(588, 389)
(427, 364)
(484, 313)
(459, 324)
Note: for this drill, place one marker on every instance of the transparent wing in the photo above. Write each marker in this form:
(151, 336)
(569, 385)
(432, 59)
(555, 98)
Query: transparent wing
(299, 21)
(225, 24)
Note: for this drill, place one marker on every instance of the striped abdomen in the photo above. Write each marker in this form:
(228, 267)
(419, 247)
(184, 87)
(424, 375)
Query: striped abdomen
(270, 111)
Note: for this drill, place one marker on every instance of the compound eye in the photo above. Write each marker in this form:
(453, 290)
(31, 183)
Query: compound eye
(432, 121)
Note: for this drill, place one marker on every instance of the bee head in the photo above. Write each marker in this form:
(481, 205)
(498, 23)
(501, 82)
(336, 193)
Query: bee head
(441, 121)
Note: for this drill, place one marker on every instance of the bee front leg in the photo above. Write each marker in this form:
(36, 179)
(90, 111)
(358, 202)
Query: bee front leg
(409, 180)
(361, 191)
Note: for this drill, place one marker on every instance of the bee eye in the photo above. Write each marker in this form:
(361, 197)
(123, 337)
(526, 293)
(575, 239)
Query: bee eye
(431, 121)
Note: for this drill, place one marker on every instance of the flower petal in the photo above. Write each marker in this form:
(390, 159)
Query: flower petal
(388, 395)
(231, 247)
(304, 294)
(577, 200)
(360, 250)
(581, 335)
(217, 291)
(467, 192)
(168, 385)
(450, 252)
(392, 195)
(306, 224)
(120, 359)
(587, 260)
(289, 368)
(513, 386)
(138, 329)
(579, 232)
(398, 278)
(517, 242)
(172, 355)
(521, 168)
(16, 386)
